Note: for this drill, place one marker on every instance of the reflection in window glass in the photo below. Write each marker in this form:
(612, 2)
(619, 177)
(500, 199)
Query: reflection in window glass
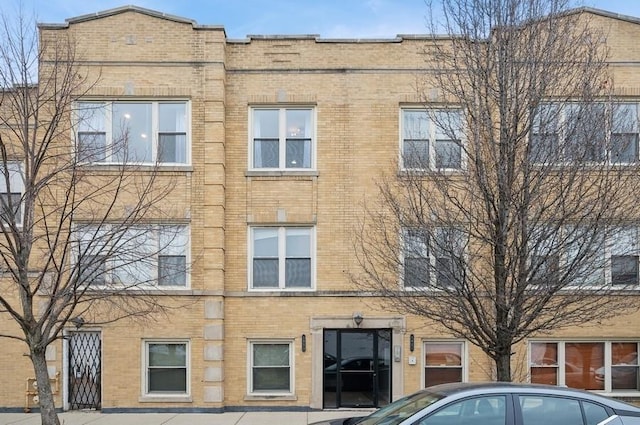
(282, 138)
(132, 127)
(604, 365)
(544, 363)
(582, 359)
(134, 132)
(431, 139)
(271, 364)
(624, 366)
(538, 410)
(488, 410)
(594, 413)
(281, 257)
(443, 362)
(167, 368)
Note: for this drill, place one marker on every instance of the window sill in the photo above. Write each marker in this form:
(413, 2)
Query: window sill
(424, 171)
(140, 167)
(133, 288)
(281, 173)
(181, 398)
(619, 393)
(280, 291)
(267, 397)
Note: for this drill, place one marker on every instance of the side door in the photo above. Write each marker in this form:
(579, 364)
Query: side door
(84, 380)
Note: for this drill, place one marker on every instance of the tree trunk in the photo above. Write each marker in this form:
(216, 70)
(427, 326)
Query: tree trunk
(48, 413)
(503, 366)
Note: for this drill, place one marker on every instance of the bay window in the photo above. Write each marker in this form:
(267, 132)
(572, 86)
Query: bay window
(282, 138)
(281, 258)
(431, 139)
(132, 132)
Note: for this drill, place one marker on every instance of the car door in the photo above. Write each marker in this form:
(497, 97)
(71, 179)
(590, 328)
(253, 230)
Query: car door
(492, 409)
(537, 409)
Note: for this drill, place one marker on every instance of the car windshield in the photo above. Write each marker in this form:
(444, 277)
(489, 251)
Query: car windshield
(401, 409)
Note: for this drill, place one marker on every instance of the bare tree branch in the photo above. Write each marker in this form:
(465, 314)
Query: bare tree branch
(510, 244)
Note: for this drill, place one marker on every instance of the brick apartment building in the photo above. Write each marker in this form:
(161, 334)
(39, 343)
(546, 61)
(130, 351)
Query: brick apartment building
(284, 136)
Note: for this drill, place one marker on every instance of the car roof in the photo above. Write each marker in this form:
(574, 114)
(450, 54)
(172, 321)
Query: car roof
(480, 388)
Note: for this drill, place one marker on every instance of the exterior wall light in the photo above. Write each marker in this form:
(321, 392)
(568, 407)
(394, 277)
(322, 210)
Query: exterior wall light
(357, 318)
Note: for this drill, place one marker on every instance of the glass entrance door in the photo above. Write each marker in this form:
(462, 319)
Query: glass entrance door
(357, 367)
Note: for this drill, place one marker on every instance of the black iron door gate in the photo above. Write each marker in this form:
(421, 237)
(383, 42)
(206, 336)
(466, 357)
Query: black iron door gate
(84, 370)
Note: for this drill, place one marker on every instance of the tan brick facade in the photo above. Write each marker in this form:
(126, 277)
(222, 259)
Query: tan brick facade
(356, 90)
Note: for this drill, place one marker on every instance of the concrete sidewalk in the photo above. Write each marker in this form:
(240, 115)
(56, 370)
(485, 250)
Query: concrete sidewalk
(228, 418)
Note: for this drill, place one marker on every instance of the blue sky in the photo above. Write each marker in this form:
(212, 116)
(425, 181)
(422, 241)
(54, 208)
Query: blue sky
(329, 18)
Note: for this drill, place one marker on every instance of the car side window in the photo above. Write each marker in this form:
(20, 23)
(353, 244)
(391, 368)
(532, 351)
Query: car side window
(594, 413)
(488, 410)
(540, 410)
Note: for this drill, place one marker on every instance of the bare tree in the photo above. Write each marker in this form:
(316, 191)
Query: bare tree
(75, 240)
(516, 177)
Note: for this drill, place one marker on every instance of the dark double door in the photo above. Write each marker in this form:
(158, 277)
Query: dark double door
(357, 367)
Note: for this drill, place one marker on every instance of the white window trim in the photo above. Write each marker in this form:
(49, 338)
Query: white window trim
(607, 362)
(270, 394)
(608, 242)
(149, 396)
(154, 130)
(432, 140)
(16, 175)
(464, 351)
(282, 138)
(281, 259)
(562, 140)
(433, 270)
(154, 285)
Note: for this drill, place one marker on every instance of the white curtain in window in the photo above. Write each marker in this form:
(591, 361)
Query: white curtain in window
(173, 119)
(623, 241)
(625, 118)
(586, 255)
(416, 125)
(308, 134)
(173, 240)
(135, 256)
(16, 183)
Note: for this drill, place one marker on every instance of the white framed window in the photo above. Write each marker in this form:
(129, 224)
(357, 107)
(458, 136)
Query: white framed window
(611, 257)
(166, 368)
(11, 191)
(282, 138)
(282, 258)
(270, 367)
(544, 255)
(432, 259)
(610, 366)
(154, 255)
(444, 361)
(136, 132)
(431, 139)
(589, 133)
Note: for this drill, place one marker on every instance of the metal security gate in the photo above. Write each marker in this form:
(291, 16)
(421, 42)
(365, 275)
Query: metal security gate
(85, 386)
